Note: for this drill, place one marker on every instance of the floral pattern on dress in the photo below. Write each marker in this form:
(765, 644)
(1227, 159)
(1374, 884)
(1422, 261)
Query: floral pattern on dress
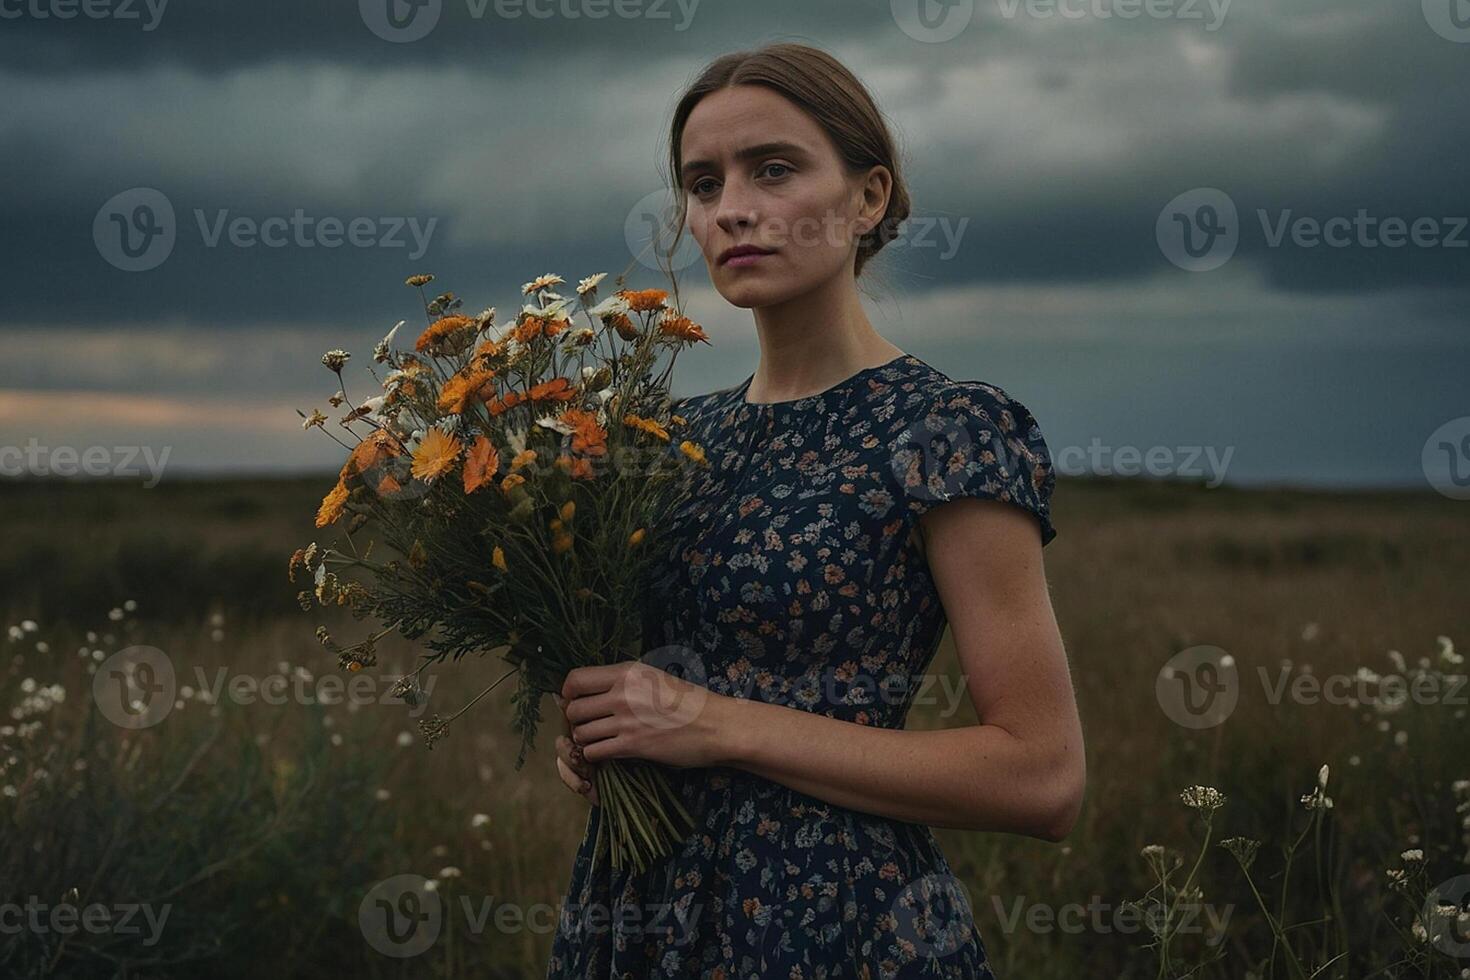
(793, 573)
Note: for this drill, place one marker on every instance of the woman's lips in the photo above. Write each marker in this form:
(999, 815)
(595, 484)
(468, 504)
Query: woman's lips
(750, 258)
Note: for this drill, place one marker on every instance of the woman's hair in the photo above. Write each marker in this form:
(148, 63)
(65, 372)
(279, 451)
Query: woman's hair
(823, 87)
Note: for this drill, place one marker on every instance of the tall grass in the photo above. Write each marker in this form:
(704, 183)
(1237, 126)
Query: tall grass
(261, 828)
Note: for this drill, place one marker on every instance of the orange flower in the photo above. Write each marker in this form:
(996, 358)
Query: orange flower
(567, 510)
(490, 348)
(497, 558)
(332, 505)
(523, 458)
(378, 447)
(511, 482)
(587, 436)
(481, 465)
(435, 455)
(674, 325)
(577, 467)
(527, 330)
(462, 389)
(504, 403)
(555, 390)
(644, 300)
(624, 325)
(561, 542)
(647, 425)
(440, 330)
(636, 538)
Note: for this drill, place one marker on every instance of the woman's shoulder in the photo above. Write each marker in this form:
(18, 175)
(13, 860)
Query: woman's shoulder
(930, 389)
(968, 437)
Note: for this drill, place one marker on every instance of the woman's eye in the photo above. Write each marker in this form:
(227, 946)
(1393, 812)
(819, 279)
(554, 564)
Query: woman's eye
(776, 166)
(695, 189)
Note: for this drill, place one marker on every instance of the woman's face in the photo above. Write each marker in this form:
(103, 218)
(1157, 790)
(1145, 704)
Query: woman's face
(759, 171)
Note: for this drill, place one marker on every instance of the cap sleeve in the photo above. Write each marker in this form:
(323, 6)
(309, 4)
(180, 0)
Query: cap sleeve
(971, 439)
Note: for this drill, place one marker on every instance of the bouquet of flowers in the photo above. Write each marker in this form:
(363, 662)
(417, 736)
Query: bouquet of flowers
(506, 495)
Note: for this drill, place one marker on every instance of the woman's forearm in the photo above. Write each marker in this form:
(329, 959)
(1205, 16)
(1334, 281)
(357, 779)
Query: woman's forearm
(979, 777)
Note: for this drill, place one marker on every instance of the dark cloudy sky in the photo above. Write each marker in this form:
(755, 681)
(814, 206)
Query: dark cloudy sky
(1059, 155)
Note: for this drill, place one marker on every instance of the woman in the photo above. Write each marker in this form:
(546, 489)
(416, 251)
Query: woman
(808, 577)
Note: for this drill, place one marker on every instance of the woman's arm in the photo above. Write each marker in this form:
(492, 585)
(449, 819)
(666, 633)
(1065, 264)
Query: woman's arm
(1021, 770)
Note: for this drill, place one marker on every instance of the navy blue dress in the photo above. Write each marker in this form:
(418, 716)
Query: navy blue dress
(794, 574)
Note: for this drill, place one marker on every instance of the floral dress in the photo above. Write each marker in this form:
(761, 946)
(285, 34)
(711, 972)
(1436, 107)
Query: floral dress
(794, 573)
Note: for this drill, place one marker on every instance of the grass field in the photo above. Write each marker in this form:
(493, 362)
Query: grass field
(258, 828)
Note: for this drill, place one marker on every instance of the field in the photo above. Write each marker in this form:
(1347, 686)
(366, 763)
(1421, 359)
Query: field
(257, 828)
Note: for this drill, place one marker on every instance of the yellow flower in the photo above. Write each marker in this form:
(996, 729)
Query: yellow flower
(561, 542)
(568, 509)
(332, 505)
(647, 425)
(497, 558)
(636, 538)
(435, 455)
(693, 451)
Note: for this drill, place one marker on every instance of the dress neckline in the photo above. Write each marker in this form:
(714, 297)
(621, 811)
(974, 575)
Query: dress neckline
(849, 380)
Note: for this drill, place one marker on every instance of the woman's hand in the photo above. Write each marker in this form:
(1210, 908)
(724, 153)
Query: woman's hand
(579, 775)
(634, 710)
